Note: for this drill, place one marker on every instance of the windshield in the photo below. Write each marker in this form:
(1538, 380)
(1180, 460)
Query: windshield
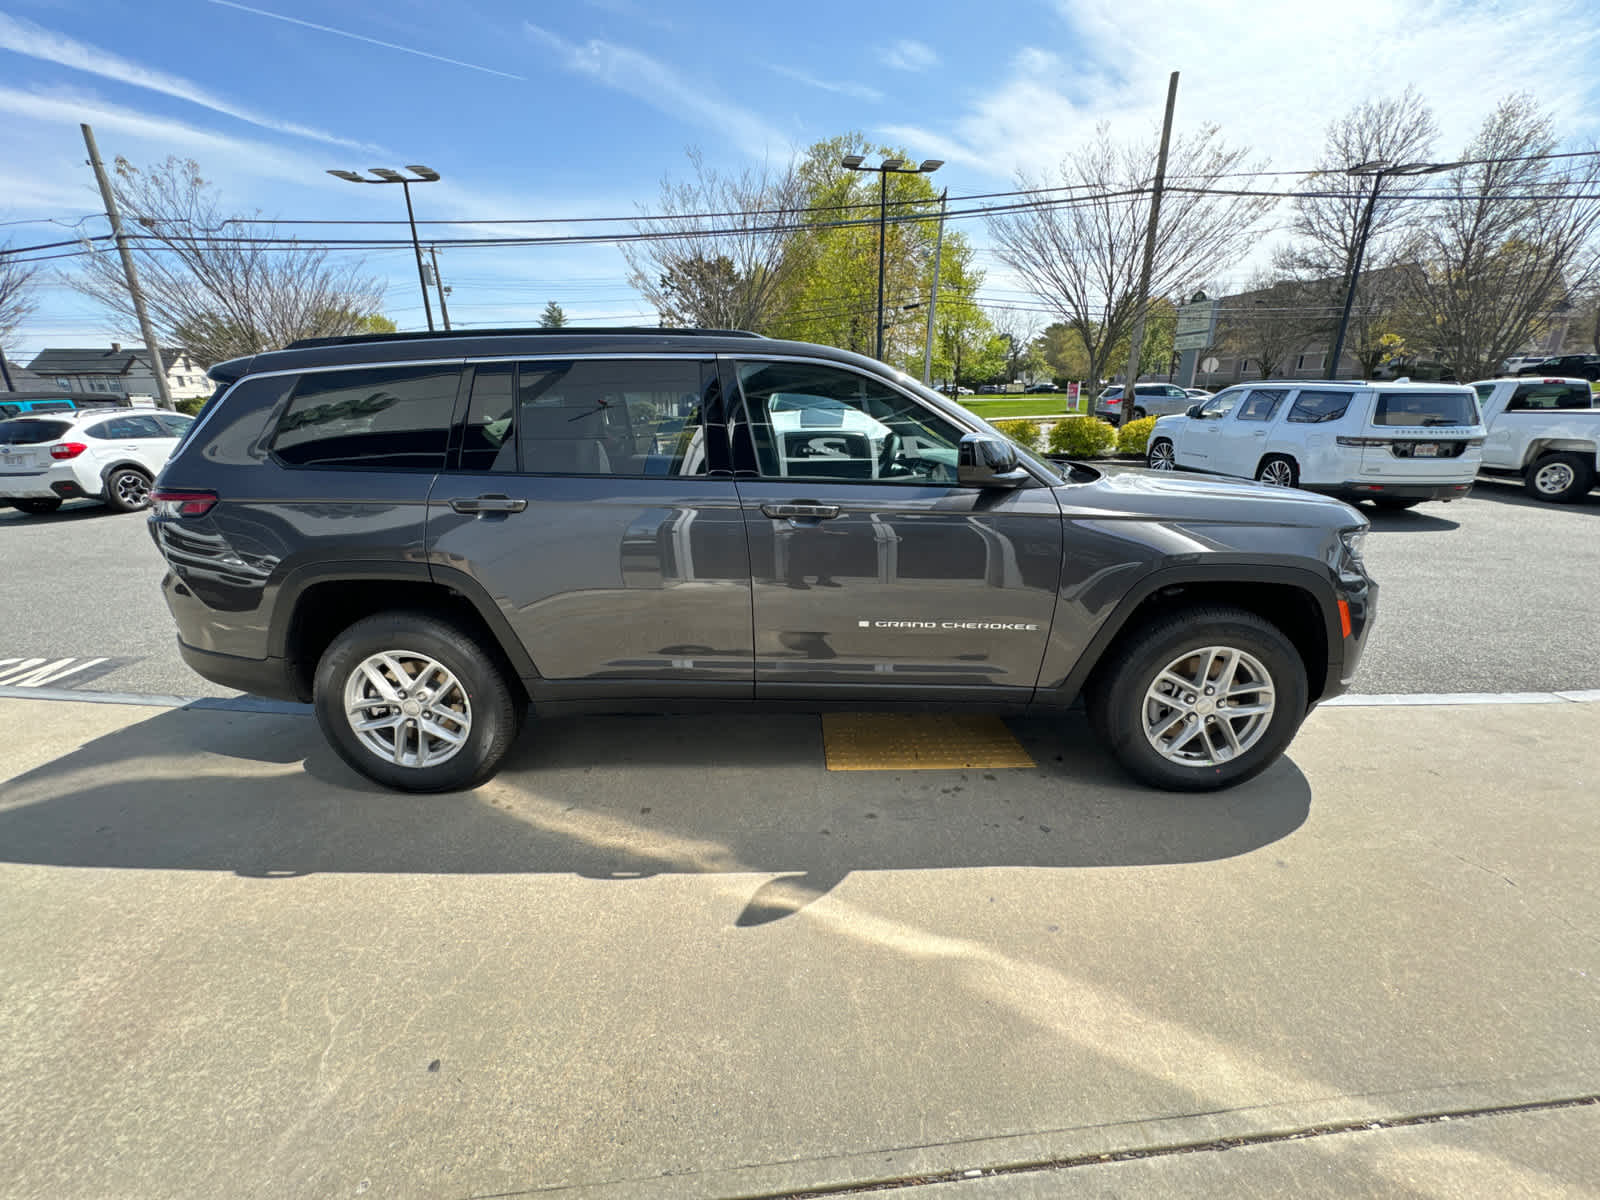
(25, 432)
(1426, 408)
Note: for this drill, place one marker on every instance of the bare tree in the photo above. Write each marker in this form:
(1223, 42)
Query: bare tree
(723, 271)
(218, 286)
(16, 292)
(1328, 216)
(1514, 240)
(1079, 252)
(1020, 329)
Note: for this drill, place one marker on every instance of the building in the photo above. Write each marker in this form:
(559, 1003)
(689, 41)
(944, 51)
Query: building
(119, 370)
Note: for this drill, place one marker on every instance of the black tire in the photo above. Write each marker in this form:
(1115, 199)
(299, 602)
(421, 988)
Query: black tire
(495, 708)
(38, 506)
(1161, 456)
(1271, 468)
(128, 490)
(1139, 414)
(1560, 478)
(1117, 697)
(1393, 503)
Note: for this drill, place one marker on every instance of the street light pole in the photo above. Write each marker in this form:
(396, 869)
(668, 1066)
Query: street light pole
(389, 175)
(1378, 169)
(889, 166)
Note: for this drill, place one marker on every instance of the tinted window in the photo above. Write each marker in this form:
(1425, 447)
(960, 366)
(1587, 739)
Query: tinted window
(818, 422)
(1316, 407)
(612, 416)
(25, 432)
(1259, 405)
(488, 442)
(380, 417)
(1220, 405)
(119, 429)
(1426, 408)
(176, 424)
(1533, 396)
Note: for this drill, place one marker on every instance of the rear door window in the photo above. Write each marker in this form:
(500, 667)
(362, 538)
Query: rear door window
(629, 417)
(1426, 408)
(1315, 408)
(1260, 405)
(375, 418)
(1531, 397)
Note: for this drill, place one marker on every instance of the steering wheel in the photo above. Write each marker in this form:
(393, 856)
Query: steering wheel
(888, 453)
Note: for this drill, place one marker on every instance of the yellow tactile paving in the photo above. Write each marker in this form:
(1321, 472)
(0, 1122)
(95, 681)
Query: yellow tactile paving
(918, 742)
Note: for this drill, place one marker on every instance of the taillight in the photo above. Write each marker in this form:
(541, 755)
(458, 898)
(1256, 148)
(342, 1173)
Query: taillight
(1363, 441)
(169, 503)
(65, 450)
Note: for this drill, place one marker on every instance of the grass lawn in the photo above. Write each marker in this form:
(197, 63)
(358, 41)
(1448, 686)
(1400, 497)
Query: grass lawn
(992, 408)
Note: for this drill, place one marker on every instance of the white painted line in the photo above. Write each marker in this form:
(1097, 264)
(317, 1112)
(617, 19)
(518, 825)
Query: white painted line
(81, 665)
(14, 673)
(1440, 699)
(39, 675)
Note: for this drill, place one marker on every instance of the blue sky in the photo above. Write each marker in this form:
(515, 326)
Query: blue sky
(580, 108)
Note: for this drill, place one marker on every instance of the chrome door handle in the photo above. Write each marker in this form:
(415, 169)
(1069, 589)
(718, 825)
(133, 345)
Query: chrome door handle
(790, 511)
(487, 504)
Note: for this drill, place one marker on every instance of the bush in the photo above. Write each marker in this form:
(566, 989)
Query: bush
(1133, 437)
(192, 405)
(1081, 437)
(1026, 434)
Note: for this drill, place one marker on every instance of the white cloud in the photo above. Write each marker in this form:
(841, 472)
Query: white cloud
(1273, 76)
(859, 91)
(909, 55)
(664, 89)
(24, 37)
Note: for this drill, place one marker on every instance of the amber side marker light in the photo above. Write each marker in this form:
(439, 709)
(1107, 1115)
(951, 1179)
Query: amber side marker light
(1344, 616)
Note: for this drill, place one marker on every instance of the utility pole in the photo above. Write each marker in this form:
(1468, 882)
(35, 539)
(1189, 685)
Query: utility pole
(1136, 339)
(157, 367)
(438, 282)
(933, 299)
(5, 371)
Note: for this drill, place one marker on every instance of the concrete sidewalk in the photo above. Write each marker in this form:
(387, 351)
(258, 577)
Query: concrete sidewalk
(677, 957)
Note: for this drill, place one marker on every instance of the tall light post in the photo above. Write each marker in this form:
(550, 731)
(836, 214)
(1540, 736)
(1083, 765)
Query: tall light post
(889, 166)
(389, 175)
(1378, 169)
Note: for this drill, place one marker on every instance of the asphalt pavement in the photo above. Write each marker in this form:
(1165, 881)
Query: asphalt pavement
(653, 959)
(1491, 593)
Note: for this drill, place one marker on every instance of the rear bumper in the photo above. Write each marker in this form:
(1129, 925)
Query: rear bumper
(1362, 489)
(270, 677)
(60, 482)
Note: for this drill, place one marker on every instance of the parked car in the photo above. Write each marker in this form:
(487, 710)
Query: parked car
(98, 454)
(17, 404)
(1565, 366)
(1396, 444)
(1198, 393)
(1516, 362)
(1043, 387)
(1149, 400)
(1545, 432)
(338, 528)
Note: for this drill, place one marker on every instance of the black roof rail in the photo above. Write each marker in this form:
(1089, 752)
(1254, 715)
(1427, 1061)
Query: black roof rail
(540, 331)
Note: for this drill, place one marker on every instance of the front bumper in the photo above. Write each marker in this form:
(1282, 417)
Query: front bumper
(1344, 655)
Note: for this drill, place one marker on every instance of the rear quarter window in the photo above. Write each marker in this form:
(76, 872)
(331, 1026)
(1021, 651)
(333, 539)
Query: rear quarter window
(375, 418)
(1426, 408)
(1316, 408)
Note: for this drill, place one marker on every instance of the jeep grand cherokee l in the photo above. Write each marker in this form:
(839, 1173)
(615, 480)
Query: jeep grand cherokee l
(426, 535)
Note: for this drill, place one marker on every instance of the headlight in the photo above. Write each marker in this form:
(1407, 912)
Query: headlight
(1354, 541)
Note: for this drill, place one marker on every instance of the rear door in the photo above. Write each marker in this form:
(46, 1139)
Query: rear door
(874, 572)
(589, 497)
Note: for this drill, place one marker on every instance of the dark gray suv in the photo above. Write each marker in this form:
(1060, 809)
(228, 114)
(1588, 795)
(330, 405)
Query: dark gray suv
(426, 534)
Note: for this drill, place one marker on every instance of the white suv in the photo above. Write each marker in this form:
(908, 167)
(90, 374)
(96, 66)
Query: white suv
(110, 456)
(1396, 444)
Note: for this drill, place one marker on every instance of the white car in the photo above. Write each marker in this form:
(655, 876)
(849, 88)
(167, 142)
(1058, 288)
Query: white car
(1396, 444)
(104, 455)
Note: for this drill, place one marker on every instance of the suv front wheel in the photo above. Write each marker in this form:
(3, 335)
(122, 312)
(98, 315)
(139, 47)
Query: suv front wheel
(1201, 699)
(415, 703)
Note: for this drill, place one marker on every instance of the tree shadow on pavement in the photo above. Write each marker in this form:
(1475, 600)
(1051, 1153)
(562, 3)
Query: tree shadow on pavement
(262, 795)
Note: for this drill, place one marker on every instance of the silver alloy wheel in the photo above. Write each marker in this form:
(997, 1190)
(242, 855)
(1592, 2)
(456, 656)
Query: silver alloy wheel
(1162, 457)
(1277, 473)
(407, 708)
(1553, 479)
(1208, 707)
(133, 489)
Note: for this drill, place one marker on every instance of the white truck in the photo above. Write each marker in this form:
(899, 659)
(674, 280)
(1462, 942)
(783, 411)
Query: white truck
(1544, 431)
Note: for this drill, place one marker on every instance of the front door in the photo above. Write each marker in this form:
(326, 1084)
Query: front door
(580, 494)
(873, 570)
(1198, 442)
(1241, 436)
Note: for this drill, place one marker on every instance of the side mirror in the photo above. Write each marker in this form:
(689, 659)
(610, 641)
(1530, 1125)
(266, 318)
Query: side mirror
(984, 461)
(1194, 411)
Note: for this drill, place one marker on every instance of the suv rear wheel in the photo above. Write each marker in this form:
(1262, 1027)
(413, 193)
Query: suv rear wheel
(128, 490)
(415, 703)
(1201, 699)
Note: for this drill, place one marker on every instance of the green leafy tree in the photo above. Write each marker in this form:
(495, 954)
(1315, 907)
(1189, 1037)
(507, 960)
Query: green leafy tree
(553, 317)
